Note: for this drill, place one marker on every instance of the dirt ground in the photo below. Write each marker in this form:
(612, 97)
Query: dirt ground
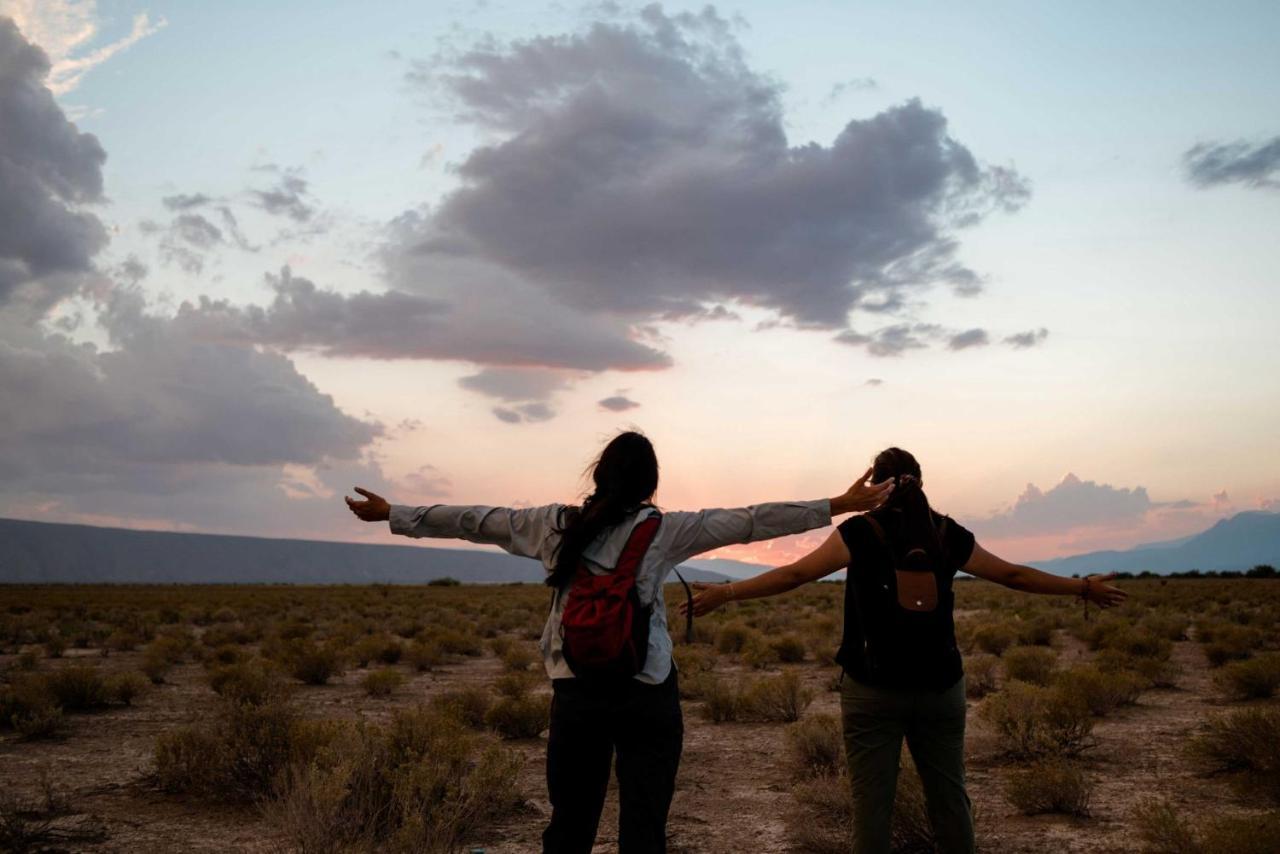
(732, 795)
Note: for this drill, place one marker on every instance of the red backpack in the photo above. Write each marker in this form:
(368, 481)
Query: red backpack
(605, 629)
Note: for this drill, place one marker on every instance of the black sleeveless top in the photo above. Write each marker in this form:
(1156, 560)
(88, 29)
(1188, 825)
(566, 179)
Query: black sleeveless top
(884, 644)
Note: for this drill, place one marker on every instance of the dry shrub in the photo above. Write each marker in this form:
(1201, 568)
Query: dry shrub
(380, 648)
(758, 652)
(1164, 830)
(994, 638)
(313, 663)
(776, 698)
(1038, 722)
(456, 642)
(1252, 679)
(980, 674)
(77, 689)
(29, 708)
(519, 717)
(423, 784)
(1101, 691)
(1053, 786)
(732, 637)
(43, 824)
(1166, 624)
(382, 683)
(723, 701)
(1246, 744)
(515, 685)
(519, 657)
(425, 655)
(1223, 642)
(815, 746)
(124, 688)
(253, 682)
(1154, 672)
(1032, 664)
(789, 648)
(467, 705)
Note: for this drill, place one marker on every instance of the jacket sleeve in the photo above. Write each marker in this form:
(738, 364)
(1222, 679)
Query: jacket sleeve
(524, 531)
(691, 533)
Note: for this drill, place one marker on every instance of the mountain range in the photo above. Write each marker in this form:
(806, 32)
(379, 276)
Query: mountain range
(49, 552)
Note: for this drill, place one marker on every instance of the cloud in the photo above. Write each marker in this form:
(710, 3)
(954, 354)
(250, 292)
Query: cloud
(893, 340)
(48, 170)
(874, 381)
(186, 201)
(66, 31)
(856, 84)
(515, 384)
(1212, 164)
(1024, 340)
(1072, 503)
(640, 171)
(968, 338)
(288, 198)
(618, 403)
(525, 413)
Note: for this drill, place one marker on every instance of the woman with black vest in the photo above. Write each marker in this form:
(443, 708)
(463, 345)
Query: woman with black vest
(605, 644)
(899, 648)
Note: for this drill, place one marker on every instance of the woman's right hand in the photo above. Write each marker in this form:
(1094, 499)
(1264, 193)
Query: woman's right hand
(709, 597)
(374, 509)
(862, 496)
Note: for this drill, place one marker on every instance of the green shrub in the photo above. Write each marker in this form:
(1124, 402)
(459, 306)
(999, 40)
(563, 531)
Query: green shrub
(1050, 787)
(1038, 722)
(815, 746)
(1251, 679)
(1032, 664)
(382, 683)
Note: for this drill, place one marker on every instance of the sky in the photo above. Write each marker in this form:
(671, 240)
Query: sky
(252, 255)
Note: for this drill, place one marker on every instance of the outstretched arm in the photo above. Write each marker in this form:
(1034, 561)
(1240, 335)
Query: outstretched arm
(1095, 588)
(522, 531)
(689, 534)
(822, 561)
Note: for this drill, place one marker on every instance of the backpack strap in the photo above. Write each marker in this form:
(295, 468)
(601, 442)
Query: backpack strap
(878, 530)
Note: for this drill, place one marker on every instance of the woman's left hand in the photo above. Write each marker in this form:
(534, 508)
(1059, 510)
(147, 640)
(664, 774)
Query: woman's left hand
(709, 597)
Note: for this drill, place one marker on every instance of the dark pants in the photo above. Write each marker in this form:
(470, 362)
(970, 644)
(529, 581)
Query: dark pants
(876, 720)
(588, 723)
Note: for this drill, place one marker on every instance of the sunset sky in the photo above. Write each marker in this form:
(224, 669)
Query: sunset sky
(253, 254)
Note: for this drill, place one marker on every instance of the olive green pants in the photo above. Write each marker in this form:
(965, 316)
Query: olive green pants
(876, 720)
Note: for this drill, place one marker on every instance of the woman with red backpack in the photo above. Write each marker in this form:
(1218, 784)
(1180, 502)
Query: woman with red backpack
(605, 644)
(899, 647)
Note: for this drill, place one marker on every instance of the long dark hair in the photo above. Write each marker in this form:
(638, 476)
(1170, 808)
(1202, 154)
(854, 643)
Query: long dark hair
(625, 477)
(919, 545)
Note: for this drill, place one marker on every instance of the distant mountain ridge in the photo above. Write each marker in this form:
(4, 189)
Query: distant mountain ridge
(1240, 542)
(52, 552)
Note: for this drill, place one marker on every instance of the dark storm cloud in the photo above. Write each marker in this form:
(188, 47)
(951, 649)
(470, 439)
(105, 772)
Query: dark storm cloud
(618, 403)
(1211, 164)
(968, 338)
(641, 171)
(1030, 338)
(48, 168)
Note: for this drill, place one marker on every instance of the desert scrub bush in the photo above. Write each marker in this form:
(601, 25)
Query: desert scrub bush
(1251, 679)
(1032, 664)
(29, 708)
(1225, 642)
(240, 754)
(994, 638)
(382, 683)
(1166, 624)
(424, 655)
(421, 784)
(468, 705)
(1163, 829)
(1054, 786)
(1246, 745)
(815, 746)
(1153, 671)
(383, 649)
(722, 700)
(781, 698)
(732, 637)
(253, 682)
(980, 674)
(42, 824)
(78, 688)
(1101, 691)
(519, 657)
(1038, 722)
(789, 648)
(519, 717)
(758, 653)
(313, 663)
(456, 642)
(125, 687)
